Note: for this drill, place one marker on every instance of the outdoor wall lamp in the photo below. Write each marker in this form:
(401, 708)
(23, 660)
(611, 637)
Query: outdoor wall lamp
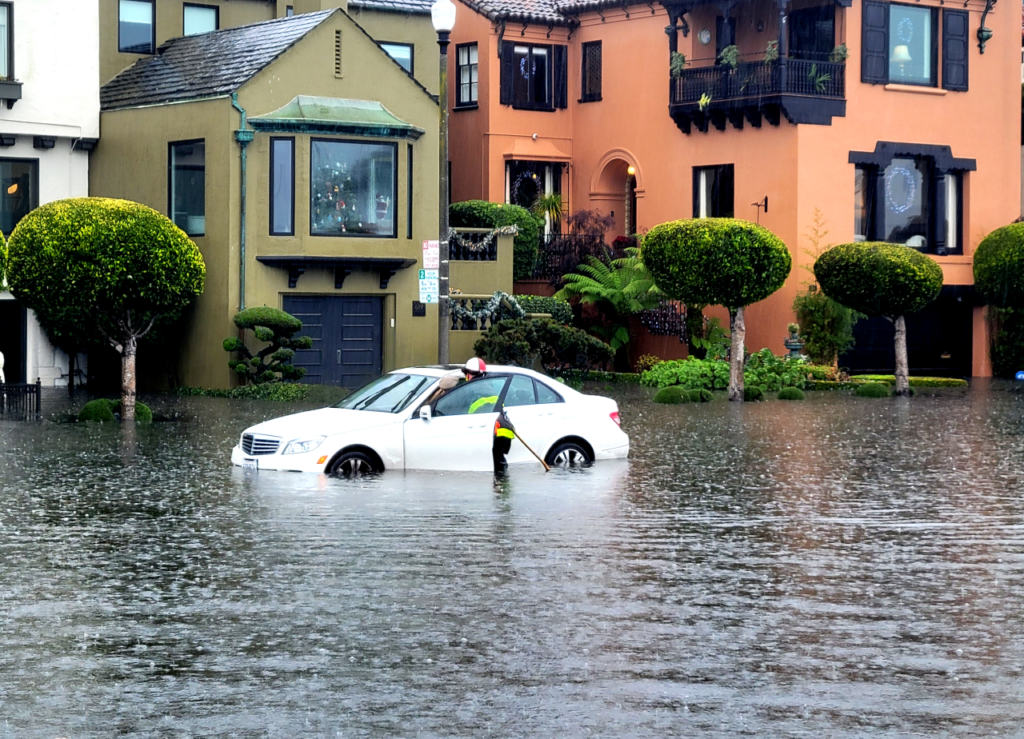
(984, 33)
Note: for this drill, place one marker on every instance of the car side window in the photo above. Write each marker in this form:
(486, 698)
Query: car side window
(546, 394)
(478, 396)
(520, 392)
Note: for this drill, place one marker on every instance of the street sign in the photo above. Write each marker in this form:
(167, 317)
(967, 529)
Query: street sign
(429, 286)
(431, 255)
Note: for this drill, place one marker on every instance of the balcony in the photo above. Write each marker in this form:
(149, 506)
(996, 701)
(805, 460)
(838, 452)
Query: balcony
(797, 90)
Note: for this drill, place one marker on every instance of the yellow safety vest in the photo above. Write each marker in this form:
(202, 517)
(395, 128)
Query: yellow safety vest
(479, 403)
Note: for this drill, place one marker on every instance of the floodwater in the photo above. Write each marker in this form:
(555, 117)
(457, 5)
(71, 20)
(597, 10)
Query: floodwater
(841, 567)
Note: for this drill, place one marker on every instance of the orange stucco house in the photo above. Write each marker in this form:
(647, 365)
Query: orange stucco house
(887, 118)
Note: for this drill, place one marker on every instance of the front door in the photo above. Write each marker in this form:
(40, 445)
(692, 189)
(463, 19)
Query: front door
(459, 434)
(12, 340)
(347, 333)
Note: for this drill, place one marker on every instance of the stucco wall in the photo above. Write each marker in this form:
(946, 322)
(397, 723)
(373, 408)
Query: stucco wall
(800, 168)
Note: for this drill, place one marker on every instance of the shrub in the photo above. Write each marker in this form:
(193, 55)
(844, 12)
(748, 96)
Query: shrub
(826, 326)
(482, 214)
(710, 374)
(521, 342)
(104, 409)
(791, 393)
(879, 279)
(873, 390)
(560, 310)
(718, 261)
(999, 267)
(645, 362)
(818, 372)
(773, 373)
(1007, 341)
(273, 362)
(106, 269)
(672, 395)
(914, 381)
(700, 395)
(752, 393)
(285, 392)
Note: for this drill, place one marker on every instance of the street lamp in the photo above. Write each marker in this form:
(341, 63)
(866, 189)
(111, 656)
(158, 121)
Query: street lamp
(442, 16)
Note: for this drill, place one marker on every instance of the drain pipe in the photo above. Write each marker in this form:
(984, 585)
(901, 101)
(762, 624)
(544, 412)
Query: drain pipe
(243, 136)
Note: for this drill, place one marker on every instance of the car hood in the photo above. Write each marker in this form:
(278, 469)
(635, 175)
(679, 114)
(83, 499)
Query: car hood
(323, 422)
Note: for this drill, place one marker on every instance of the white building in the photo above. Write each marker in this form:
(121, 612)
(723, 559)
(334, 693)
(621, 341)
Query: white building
(49, 121)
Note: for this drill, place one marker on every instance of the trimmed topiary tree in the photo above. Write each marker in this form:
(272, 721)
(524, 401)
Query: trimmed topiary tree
(273, 362)
(999, 267)
(111, 269)
(879, 279)
(484, 214)
(673, 395)
(718, 261)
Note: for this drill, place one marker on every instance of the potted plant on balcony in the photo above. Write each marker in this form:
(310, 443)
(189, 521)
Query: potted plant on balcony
(730, 56)
(839, 54)
(676, 64)
(771, 53)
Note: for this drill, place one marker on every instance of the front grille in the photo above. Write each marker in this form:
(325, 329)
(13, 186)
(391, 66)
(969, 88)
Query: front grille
(259, 444)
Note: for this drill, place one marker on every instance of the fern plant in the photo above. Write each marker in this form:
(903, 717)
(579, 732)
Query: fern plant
(619, 289)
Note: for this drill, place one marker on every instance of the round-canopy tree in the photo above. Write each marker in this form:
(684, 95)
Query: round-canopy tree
(110, 269)
(999, 267)
(718, 261)
(879, 279)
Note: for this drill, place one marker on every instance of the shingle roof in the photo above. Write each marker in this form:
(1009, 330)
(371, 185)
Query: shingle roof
(208, 64)
(557, 12)
(412, 7)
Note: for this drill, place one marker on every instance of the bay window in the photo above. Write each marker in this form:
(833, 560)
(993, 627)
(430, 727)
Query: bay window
(352, 188)
(282, 186)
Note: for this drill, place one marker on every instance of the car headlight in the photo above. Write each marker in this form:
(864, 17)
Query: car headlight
(301, 446)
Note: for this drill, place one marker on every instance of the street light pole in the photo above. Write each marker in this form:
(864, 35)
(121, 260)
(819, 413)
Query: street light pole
(442, 15)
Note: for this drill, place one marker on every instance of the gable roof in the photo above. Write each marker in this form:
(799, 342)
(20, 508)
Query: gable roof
(554, 12)
(208, 64)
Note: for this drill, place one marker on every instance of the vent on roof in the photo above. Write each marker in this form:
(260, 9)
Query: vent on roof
(337, 53)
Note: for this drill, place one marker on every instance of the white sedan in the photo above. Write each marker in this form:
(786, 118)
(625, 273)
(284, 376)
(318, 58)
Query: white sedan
(402, 421)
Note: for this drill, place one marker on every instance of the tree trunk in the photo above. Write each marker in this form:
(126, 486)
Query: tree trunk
(738, 331)
(902, 373)
(128, 352)
(71, 374)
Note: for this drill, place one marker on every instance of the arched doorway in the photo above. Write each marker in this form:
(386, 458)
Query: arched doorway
(616, 190)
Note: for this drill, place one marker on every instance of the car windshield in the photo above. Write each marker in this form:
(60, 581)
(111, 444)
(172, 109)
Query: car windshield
(387, 394)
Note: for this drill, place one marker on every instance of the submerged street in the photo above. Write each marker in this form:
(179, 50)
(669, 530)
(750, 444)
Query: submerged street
(839, 567)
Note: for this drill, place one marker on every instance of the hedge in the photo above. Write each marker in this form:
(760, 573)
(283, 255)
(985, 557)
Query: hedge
(879, 279)
(999, 267)
(560, 310)
(914, 381)
(575, 375)
(103, 410)
(716, 261)
(483, 214)
(521, 342)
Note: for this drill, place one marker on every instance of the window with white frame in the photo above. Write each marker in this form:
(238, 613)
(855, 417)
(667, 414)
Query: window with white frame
(713, 191)
(467, 74)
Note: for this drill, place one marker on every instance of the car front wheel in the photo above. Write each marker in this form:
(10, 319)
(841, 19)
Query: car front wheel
(353, 464)
(568, 454)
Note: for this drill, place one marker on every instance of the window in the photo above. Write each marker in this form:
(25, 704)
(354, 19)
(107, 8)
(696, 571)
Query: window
(200, 19)
(547, 395)
(187, 175)
(812, 32)
(590, 87)
(289, 11)
(533, 76)
(353, 188)
(900, 45)
(136, 26)
(6, 41)
(478, 396)
(401, 53)
(19, 191)
(713, 191)
(725, 35)
(282, 186)
(467, 74)
(408, 191)
(520, 392)
(390, 393)
(911, 200)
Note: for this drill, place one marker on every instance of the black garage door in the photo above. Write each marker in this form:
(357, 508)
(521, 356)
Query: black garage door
(346, 331)
(939, 339)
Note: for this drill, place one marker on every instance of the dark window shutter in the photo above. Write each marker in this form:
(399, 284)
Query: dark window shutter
(507, 68)
(955, 49)
(874, 58)
(561, 76)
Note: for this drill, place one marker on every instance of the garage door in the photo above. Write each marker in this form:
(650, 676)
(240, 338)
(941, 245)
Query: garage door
(346, 331)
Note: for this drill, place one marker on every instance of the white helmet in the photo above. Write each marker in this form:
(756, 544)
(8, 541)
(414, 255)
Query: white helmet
(475, 366)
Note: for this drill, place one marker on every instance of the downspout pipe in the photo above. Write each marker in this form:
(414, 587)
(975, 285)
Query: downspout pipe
(243, 136)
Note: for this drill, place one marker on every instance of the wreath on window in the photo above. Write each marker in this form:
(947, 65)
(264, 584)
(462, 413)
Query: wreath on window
(905, 30)
(909, 183)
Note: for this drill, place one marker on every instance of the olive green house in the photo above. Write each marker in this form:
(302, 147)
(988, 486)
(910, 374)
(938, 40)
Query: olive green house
(303, 161)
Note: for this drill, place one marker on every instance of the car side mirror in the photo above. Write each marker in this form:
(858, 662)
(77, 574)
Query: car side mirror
(425, 412)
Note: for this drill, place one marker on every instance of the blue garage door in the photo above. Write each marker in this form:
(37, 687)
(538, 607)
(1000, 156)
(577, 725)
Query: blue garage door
(347, 338)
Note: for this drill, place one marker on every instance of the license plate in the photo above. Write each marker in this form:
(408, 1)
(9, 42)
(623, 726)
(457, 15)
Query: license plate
(250, 463)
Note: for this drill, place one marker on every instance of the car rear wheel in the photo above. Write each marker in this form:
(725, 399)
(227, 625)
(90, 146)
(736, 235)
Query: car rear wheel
(568, 454)
(353, 464)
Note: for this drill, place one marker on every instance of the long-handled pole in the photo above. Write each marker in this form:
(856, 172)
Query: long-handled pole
(546, 468)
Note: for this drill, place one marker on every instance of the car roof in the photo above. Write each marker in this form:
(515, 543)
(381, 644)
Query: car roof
(437, 370)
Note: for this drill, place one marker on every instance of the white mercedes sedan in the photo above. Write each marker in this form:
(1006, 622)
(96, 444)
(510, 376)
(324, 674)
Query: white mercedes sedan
(402, 420)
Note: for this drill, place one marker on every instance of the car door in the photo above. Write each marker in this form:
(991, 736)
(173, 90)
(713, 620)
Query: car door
(530, 406)
(458, 434)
